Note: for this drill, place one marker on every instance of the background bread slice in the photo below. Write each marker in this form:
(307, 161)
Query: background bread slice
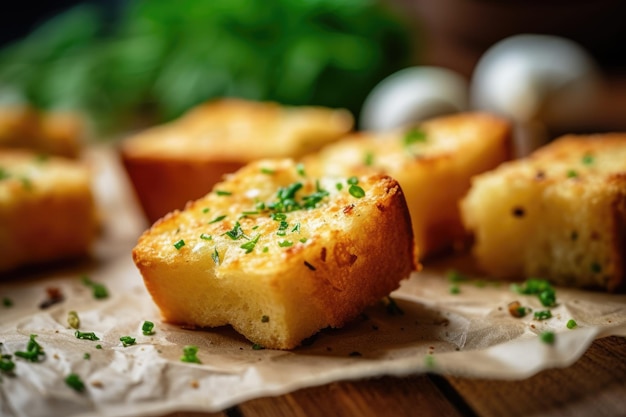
(302, 270)
(433, 162)
(180, 161)
(559, 214)
(47, 211)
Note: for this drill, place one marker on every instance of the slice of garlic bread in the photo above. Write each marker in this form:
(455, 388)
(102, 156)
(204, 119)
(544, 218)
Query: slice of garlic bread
(559, 214)
(47, 210)
(279, 254)
(433, 162)
(188, 156)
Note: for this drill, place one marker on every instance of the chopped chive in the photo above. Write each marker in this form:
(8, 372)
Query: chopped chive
(179, 244)
(98, 346)
(543, 315)
(257, 346)
(455, 289)
(266, 249)
(300, 170)
(127, 341)
(571, 323)
(86, 335)
(587, 159)
(249, 245)
(548, 337)
(86, 356)
(72, 320)
(215, 256)
(356, 191)
(369, 159)
(223, 193)
(205, 210)
(73, 381)
(296, 228)
(99, 290)
(190, 354)
(414, 135)
(285, 243)
(303, 240)
(352, 181)
(429, 361)
(455, 276)
(218, 219)
(267, 171)
(33, 350)
(6, 364)
(147, 328)
(249, 213)
(205, 236)
(572, 173)
(236, 232)
(339, 186)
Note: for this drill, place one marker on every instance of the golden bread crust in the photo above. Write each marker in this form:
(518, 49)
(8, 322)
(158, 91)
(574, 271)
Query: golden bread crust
(434, 168)
(189, 155)
(558, 214)
(304, 269)
(47, 211)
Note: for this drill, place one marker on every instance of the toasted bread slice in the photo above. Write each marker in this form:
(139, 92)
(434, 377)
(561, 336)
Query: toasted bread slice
(172, 164)
(559, 214)
(47, 211)
(54, 133)
(433, 162)
(277, 254)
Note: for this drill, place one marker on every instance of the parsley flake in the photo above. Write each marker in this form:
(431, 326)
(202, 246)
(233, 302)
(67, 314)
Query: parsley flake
(179, 244)
(571, 323)
(86, 335)
(73, 381)
(147, 328)
(190, 354)
(414, 135)
(356, 191)
(218, 219)
(249, 245)
(127, 341)
(6, 364)
(548, 337)
(99, 290)
(33, 350)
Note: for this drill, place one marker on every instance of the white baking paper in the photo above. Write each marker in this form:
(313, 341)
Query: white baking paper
(466, 334)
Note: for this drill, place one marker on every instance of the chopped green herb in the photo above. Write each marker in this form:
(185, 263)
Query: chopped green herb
(72, 320)
(352, 181)
(73, 381)
(205, 210)
(33, 350)
(190, 354)
(356, 191)
(257, 346)
(455, 289)
(429, 360)
(249, 245)
(99, 290)
(223, 193)
(296, 228)
(218, 219)
(414, 135)
(260, 205)
(517, 310)
(548, 337)
(571, 173)
(587, 159)
(392, 307)
(265, 249)
(571, 323)
(285, 243)
(539, 287)
(147, 328)
(267, 171)
(339, 186)
(215, 256)
(4, 174)
(543, 315)
(86, 356)
(369, 159)
(265, 319)
(6, 364)
(303, 240)
(455, 276)
(547, 298)
(282, 228)
(179, 244)
(7, 302)
(27, 183)
(300, 170)
(86, 335)
(205, 236)
(236, 232)
(127, 341)
(98, 346)
(249, 213)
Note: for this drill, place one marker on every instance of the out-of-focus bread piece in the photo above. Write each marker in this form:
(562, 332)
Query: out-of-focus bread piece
(433, 162)
(559, 214)
(47, 211)
(54, 133)
(279, 254)
(174, 163)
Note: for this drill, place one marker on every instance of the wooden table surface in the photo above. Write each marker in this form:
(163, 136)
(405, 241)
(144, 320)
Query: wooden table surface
(593, 386)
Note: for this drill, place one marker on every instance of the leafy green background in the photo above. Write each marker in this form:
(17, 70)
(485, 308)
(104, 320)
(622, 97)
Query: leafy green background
(158, 58)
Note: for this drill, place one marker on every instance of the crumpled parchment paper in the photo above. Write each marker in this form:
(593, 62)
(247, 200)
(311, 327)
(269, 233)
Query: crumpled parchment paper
(468, 334)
